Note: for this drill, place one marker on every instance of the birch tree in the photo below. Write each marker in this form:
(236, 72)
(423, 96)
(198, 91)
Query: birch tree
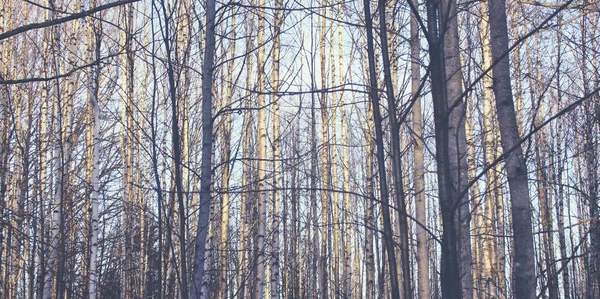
(93, 85)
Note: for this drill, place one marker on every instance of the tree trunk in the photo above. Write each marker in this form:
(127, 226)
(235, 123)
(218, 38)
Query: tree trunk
(261, 147)
(374, 98)
(325, 160)
(369, 210)
(127, 157)
(396, 159)
(450, 279)
(276, 151)
(225, 161)
(516, 167)
(94, 80)
(207, 147)
(457, 144)
(419, 165)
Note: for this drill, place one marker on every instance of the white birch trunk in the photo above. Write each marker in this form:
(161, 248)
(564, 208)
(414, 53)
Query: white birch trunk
(276, 151)
(260, 280)
(93, 78)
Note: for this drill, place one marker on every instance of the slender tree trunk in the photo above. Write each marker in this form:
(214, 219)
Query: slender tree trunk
(490, 277)
(207, 147)
(374, 97)
(276, 151)
(94, 80)
(226, 156)
(325, 160)
(4, 140)
(347, 227)
(313, 251)
(560, 197)
(369, 209)
(62, 156)
(262, 199)
(244, 242)
(5, 128)
(419, 165)
(516, 168)
(176, 149)
(335, 247)
(396, 160)
(127, 157)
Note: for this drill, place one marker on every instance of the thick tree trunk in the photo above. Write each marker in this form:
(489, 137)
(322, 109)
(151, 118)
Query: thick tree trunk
(450, 279)
(516, 167)
(457, 143)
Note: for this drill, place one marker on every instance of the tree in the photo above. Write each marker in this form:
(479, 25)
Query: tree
(124, 141)
(516, 168)
(450, 278)
(261, 143)
(457, 141)
(94, 81)
(374, 98)
(207, 144)
(419, 167)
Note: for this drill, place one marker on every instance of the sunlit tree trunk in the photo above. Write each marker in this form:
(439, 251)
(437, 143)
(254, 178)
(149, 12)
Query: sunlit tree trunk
(261, 149)
(94, 110)
(4, 141)
(325, 159)
(478, 216)
(347, 209)
(419, 165)
(489, 277)
(226, 156)
(127, 155)
(276, 152)
(335, 247)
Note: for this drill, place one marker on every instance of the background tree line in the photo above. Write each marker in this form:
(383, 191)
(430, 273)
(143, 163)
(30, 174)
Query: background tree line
(299, 149)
